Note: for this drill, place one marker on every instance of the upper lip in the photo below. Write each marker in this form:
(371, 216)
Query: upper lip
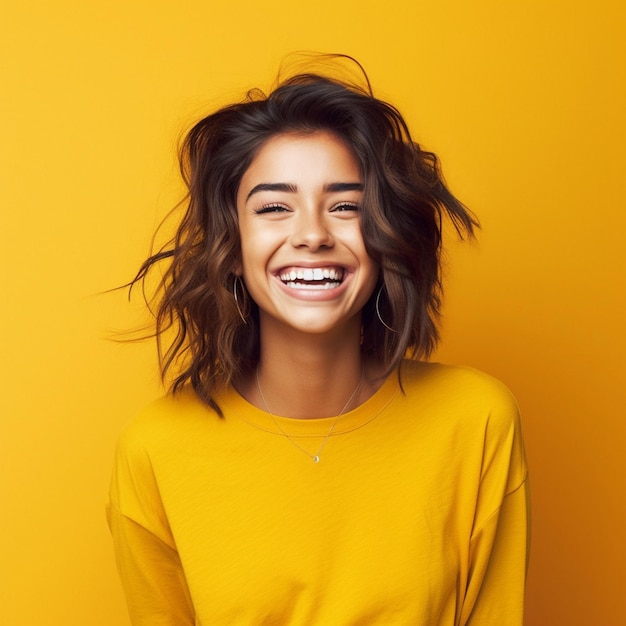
(310, 265)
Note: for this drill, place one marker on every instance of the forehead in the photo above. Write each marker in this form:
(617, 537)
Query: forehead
(293, 155)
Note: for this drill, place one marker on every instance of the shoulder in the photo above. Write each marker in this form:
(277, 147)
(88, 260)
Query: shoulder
(165, 422)
(474, 410)
(455, 381)
(462, 392)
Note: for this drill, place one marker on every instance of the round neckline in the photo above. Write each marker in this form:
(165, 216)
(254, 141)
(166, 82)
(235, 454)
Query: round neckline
(233, 403)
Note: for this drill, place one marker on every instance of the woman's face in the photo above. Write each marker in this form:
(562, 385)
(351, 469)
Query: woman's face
(303, 259)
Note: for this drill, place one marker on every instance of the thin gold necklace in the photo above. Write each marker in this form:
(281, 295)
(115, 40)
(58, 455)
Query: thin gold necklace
(314, 457)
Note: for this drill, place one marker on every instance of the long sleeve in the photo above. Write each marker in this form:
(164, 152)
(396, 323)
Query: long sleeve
(151, 574)
(499, 552)
(499, 543)
(148, 562)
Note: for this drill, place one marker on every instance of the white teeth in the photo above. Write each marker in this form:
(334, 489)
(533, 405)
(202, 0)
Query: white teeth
(312, 274)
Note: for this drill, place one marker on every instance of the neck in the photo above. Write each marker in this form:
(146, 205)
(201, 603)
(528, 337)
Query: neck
(309, 376)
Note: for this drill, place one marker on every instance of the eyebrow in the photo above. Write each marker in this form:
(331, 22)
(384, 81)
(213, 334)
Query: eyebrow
(290, 188)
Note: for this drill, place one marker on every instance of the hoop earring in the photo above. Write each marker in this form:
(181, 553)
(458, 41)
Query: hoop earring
(378, 315)
(243, 291)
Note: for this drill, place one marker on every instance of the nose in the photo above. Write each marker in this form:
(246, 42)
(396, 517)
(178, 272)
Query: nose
(310, 230)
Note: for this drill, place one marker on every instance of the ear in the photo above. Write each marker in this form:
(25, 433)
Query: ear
(238, 269)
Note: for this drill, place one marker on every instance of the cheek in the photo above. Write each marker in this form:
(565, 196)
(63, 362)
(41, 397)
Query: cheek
(249, 246)
(373, 273)
(257, 250)
(358, 246)
(261, 241)
(369, 270)
(248, 260)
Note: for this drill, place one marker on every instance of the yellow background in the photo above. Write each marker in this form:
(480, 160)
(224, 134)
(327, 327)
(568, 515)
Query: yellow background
(524, 102)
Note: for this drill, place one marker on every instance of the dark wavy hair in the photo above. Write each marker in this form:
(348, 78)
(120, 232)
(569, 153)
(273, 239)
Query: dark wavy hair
(404, 202)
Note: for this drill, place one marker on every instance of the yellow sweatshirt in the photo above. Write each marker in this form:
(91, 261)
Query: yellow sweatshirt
(415, 515)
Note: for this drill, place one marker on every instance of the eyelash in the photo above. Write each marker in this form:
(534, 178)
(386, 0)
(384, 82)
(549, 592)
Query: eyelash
(343, 206)
(279, 208)
(271, 208)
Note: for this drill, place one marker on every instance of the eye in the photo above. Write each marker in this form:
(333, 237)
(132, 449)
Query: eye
(345, 206)
(271, 208)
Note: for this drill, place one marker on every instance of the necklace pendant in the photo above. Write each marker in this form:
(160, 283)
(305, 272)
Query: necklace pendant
(315, 458)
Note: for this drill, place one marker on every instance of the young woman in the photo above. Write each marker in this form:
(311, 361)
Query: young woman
(303, 470)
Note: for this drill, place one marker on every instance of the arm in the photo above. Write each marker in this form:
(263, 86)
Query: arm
(149, 564)
(499, 540)
(151, 574)
(499, 556)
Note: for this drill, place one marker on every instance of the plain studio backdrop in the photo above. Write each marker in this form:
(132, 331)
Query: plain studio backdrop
(524, 103)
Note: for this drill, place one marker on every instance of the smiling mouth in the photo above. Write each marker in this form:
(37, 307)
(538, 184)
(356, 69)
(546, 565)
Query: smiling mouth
(312, 277)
